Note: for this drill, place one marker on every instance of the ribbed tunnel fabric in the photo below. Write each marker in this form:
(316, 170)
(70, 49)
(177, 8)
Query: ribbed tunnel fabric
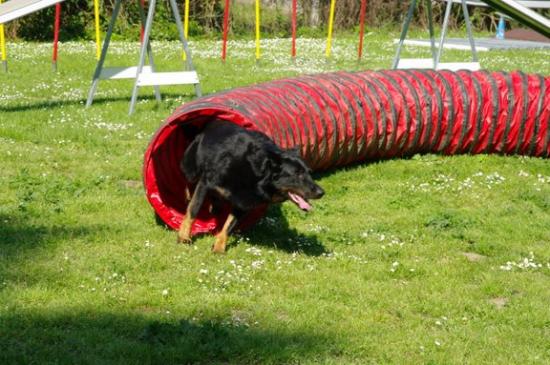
(340, 118)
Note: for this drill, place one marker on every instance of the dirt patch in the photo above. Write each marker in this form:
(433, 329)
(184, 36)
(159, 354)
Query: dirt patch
(499, 302)
(131, 184)
(473, 257)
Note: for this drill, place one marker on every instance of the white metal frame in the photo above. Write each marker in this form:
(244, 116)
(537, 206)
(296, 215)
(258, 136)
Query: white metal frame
(435, 61)
(145, 75)
(14, 9)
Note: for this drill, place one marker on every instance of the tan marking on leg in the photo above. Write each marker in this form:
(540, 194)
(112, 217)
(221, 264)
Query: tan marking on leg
(224, 193)
(221, 238)
(184, 233)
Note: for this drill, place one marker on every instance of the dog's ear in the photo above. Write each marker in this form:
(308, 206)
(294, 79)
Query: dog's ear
(273, 150)
(189, 164)
(295, 151)
(279, 154)
(265, 164)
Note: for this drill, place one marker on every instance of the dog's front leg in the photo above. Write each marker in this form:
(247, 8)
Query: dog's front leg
(193, 208)
(222, 237)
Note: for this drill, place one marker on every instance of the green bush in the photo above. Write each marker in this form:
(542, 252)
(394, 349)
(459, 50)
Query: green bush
(39, 26)
(206, 19)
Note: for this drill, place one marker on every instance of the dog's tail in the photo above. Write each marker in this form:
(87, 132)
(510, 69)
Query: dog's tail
(188, 164)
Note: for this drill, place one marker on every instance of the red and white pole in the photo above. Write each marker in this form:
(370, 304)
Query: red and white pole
(362, 12)
(225, 29)
(293, 21)
(56, 35)
(142, 4)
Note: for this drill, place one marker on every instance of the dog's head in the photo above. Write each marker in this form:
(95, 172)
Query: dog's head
(291, 179)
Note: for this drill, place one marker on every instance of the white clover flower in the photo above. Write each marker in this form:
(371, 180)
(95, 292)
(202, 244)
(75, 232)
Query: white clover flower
(254, 251)
(524, 264)
(257, 264)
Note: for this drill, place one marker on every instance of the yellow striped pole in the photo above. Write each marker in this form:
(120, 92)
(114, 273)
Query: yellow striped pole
(2, 42)
(3, 55)
(330, 23)
(97, 35)
(186, 24)
(257, 30)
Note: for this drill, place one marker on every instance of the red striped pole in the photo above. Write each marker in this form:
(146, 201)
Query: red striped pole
(293, 51)
(225, 29)
(56, 34)
(141, 29)
(361, 27)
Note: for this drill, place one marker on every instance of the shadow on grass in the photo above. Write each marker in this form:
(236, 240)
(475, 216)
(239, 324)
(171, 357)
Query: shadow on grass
(107, 338)
(97, 101)
(273, 231)
(18, 236)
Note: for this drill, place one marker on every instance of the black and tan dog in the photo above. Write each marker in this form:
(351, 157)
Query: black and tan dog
(244, 168)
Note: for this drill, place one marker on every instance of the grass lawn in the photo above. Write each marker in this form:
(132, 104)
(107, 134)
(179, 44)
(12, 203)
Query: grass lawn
(439, 260)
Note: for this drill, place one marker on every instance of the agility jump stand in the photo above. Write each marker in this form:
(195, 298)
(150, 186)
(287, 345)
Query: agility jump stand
(145, 75)
(434, 62)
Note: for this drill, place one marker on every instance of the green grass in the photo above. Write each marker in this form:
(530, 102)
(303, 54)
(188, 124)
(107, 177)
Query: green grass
(376, 274)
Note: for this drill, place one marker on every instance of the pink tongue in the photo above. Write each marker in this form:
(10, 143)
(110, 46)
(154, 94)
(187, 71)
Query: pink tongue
(299, 201)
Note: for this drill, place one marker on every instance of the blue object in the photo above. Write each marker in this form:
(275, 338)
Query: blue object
(501, 28)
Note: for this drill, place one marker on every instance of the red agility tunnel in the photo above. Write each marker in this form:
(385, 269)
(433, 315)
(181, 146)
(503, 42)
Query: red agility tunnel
(341, 118)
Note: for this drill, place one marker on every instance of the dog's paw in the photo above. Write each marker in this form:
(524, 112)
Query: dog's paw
(218, 250)
(184, 240)
(219, 246)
